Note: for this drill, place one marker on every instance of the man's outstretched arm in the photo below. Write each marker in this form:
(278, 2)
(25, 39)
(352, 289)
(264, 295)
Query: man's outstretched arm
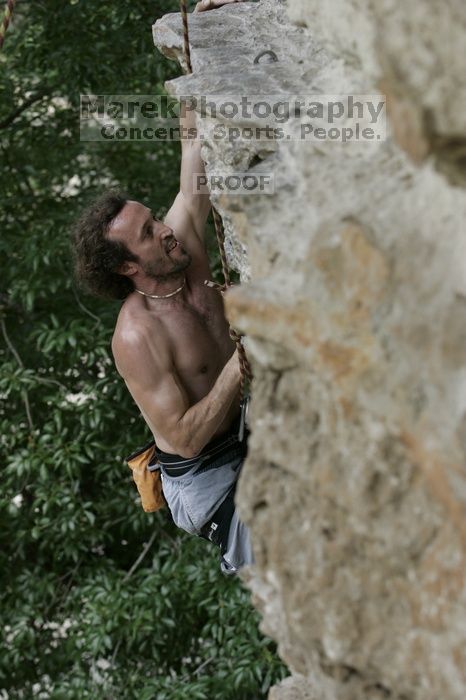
(192, 204)
(191, 207)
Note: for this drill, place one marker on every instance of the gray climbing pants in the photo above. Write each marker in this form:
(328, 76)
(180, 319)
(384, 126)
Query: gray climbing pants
(194, 497)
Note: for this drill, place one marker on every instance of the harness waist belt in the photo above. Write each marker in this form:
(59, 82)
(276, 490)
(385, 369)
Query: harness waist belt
(175, 465)
(203, 461)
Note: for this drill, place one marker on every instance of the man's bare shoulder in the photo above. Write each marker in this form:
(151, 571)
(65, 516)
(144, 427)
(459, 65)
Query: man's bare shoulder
(139, 337)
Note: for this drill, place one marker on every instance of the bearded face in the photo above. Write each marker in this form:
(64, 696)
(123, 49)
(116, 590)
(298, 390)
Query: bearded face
(172, 261)
(152, 244)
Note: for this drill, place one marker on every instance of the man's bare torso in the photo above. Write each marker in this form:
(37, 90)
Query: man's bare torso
(193, 329)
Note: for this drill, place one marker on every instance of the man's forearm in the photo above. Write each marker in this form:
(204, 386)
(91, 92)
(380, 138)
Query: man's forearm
(190, 132)
(195, 196)
(188, 123)
(201, 421)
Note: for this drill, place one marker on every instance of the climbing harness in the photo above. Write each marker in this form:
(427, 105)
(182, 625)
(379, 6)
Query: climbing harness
(245, 368)
(10, 6)
(175, 465)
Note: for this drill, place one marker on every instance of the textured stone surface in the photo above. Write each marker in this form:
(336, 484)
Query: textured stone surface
(354, 306)
(409, 52)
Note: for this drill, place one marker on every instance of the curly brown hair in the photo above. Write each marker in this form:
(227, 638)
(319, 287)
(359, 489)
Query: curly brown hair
(97, 258)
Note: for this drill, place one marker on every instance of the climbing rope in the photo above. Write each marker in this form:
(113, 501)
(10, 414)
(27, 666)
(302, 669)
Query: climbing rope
(10, 6)
(187, 50)
(245, 367)
(221, 245)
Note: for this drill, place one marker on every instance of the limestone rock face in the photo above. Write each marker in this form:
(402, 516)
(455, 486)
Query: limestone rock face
(354, 307)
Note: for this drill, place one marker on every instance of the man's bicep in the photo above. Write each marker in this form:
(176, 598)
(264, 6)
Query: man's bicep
(154, 385)
(186, 221)
(179, 220)
(188, 215)
(163, 402)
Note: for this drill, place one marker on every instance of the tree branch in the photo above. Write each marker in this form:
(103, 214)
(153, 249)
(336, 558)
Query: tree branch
(83, 308)
(24, 393)
(22, 107)
(145, 549)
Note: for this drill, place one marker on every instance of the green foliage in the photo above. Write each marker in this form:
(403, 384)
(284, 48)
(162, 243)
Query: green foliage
(79, 620)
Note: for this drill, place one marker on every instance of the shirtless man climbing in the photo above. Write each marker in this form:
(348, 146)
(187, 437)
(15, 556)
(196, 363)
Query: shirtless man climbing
(172, 346)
